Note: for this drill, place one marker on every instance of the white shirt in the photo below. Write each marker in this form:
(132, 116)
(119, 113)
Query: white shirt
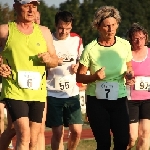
(60, 82)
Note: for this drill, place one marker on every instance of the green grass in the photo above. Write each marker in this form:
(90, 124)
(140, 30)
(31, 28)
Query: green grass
(83, 145)
(86, 145)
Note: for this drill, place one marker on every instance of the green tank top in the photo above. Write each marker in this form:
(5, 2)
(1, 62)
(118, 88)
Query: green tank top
(27, 81)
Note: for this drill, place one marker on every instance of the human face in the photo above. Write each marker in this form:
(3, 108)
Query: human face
(26, 12)
(63, 29)
(138, 40)
(108, 28)
(37, 18)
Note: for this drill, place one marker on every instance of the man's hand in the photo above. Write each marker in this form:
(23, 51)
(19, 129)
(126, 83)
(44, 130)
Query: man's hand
(44, 57)
(74, 68)
(100, 74)
(5, 70)
(60, 61)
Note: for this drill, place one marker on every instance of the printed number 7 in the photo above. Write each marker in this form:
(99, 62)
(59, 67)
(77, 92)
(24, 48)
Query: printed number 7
(107, 91)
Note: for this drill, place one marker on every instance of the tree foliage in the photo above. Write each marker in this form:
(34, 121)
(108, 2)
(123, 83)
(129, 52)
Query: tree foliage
(130, 10)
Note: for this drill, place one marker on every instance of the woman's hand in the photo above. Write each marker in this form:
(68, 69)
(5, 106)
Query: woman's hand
(100, 74)
(129, 76)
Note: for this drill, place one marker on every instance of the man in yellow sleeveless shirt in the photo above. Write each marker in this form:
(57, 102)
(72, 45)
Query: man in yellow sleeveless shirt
(27, 50)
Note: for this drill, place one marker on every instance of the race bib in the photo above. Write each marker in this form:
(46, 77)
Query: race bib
(62, 83)
(29, 80)
(142, 83)
(107, 90)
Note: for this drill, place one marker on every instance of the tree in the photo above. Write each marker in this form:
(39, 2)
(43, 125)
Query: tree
(47, 15)
(6, 14)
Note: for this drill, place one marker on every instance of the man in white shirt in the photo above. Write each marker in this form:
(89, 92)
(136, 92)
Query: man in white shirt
(63, 106)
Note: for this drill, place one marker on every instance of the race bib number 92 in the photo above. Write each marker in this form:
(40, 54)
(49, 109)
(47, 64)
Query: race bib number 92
(142, 83)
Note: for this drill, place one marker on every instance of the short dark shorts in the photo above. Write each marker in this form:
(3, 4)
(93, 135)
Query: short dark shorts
(63, 111)
(31, 109)
(139, 109)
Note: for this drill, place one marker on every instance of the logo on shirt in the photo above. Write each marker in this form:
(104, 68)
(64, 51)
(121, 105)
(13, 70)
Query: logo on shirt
(66, 57)
(38, 44)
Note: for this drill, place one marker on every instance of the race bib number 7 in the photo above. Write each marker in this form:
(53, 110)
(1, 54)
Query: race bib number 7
(142, 83)
(29, 80)
(107, 90)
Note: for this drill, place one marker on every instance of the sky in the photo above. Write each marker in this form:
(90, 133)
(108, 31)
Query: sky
(48, 2)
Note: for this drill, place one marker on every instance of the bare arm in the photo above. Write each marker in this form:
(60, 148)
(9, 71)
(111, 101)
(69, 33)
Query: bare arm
(3, 35)
(5, 70)
(129, 66)
(53, 61)
(129, 74)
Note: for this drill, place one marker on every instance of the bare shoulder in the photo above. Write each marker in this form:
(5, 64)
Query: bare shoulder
(46, 33)
(44, 29)
(3, 30)
(3, 34)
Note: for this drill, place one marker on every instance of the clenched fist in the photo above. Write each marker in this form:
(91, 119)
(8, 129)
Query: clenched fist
(100, 73)
(45, 57)
(129, 76)
(5, 70)
(74, 68)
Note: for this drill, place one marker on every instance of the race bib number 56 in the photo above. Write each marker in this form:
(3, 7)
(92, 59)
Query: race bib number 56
(107, 90)
(29, 80)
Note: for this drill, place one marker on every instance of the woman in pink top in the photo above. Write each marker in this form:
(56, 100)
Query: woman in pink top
(139, 94)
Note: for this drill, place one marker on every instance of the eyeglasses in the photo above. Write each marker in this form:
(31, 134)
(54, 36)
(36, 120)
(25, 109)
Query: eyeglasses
(139, 39)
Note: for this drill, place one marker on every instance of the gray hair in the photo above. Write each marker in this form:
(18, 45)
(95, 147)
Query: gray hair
(105, 12)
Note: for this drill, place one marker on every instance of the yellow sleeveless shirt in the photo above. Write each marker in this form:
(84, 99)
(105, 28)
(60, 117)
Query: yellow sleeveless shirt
(27, 81)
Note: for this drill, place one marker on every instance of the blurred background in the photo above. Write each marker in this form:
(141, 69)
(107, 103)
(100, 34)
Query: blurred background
(83, 11)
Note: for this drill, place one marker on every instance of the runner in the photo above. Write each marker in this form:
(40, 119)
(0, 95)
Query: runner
(24, 82)
(63, 106)
(139, 95)
(9, 132)
(107, 57)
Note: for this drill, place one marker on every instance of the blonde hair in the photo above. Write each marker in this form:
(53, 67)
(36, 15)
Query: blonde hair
(103, 13)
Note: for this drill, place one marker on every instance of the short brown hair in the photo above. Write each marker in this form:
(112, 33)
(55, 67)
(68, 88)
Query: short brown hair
(136, 27)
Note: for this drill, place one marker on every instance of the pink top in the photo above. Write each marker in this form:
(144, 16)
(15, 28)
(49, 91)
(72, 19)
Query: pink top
(140, 68)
